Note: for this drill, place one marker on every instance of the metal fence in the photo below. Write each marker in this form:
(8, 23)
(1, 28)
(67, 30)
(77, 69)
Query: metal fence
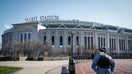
(88, 57)
(121, 55)
(82, 58)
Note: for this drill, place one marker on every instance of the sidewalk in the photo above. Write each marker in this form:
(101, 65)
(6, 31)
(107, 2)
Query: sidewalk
(84, 68)
(81, 68)
(56, 70)
(123, 66)
(37, 67)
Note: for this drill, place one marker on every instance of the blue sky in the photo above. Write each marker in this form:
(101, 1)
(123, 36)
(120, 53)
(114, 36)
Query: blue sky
(112, 12)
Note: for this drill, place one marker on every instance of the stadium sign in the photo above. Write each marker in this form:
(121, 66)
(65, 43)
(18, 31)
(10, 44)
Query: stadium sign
(42, 18)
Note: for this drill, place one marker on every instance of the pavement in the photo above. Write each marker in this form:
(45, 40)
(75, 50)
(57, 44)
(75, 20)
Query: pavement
(56, 70)
(123, 66)
(37, 67)
(84, 68)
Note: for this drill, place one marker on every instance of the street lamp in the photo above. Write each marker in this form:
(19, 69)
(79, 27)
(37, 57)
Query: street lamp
(72, 33)
(71, 60)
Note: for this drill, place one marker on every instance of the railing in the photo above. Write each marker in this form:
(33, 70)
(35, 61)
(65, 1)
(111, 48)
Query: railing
(88, 57)
(121, 55)
(80, 59)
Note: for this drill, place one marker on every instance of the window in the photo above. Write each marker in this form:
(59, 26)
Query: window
(77, 40)
(88, 42)
(69, 40)
(104, 42)
(21, 38)
(85, 42)
(53, 40)
(91, 42)
(99, 42)
(25, 35)
(29, 36)
(112, 43)
(61, 40)
(44, 40)
(122, 44)
(130, 45)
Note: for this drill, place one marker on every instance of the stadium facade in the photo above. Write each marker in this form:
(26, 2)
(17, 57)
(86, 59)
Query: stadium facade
(86, 35)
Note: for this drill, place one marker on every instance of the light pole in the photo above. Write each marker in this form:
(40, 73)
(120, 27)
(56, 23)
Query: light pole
(72, 33)
(71, 60)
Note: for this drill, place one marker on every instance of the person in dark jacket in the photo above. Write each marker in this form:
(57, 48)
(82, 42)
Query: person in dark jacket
(103, 63)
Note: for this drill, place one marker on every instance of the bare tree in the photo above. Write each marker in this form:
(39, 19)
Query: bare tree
(68, 50)
(31, 48)
(78, 49)
(47, 49)
(6, 49)
(56, 52)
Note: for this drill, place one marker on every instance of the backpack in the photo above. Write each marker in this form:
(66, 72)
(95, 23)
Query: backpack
(104, 62)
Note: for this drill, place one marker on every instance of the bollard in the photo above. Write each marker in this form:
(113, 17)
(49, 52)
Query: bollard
(64, 70)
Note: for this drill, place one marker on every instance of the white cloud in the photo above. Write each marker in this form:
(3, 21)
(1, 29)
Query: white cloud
(7, 26)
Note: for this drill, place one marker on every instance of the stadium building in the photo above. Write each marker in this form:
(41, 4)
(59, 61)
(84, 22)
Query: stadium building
(82, 35)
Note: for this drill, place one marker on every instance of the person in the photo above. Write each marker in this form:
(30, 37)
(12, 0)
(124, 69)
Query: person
(103, 63)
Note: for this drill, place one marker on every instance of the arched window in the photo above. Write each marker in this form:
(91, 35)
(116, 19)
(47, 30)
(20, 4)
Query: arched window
(88, 42)
(29, 36)
(25, 35)
(53, 40)
(92, 43)
(99, 42)
(110, 42)
(130, 45)
(114, 44)
(61, 40)
(21, 38)
(77, 40)
(69, 40)
(104, 41)
(85, 42)
(122, 44)
(44, 40)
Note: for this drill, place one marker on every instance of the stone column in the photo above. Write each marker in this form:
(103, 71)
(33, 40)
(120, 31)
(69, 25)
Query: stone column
(56, 39)
(81, 38)
(117, 43)
(126, 43)
(95, 40)
(65, 40)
